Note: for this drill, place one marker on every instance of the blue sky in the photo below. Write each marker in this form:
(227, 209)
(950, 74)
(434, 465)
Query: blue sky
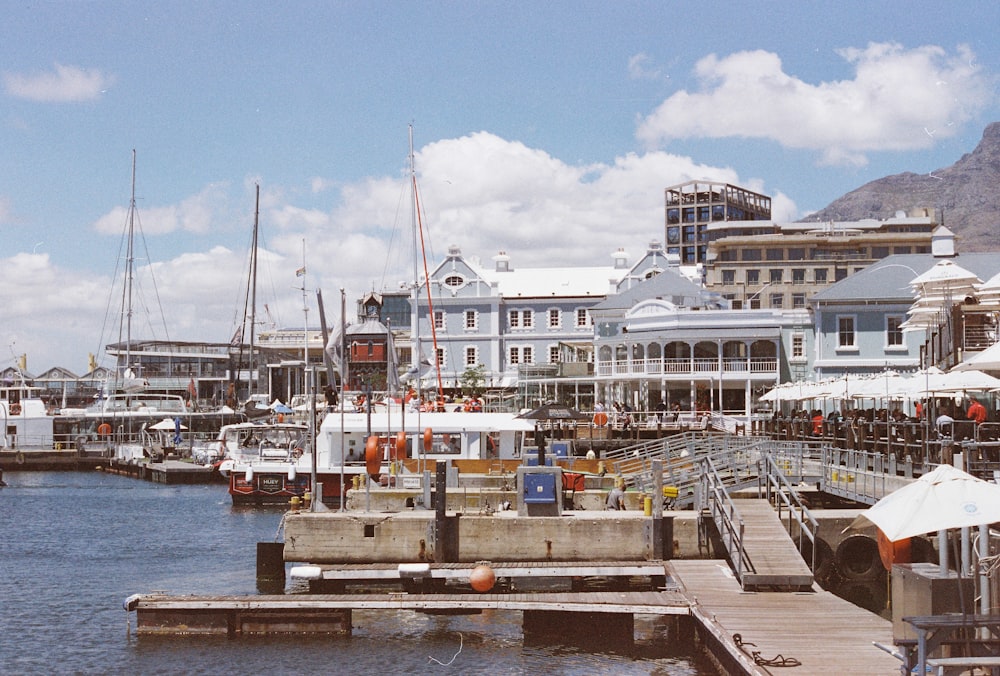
(548, 130)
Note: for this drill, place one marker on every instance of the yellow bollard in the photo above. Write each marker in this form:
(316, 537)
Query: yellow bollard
(306, 500)
(294, 503)
(647, 505)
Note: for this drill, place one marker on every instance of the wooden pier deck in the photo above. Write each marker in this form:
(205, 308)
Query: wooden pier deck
(825, 633)
(776, 560)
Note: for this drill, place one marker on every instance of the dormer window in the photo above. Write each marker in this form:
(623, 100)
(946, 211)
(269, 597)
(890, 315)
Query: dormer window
(454, 281)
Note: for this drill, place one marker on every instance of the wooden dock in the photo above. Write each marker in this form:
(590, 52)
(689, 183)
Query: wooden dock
(823, 632)
(775, 560)
(171, 472)
(331, 613)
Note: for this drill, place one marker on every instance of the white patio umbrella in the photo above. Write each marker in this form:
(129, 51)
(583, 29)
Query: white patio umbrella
(960, 381)
(987, 360)
(945, 498)
(167, 425)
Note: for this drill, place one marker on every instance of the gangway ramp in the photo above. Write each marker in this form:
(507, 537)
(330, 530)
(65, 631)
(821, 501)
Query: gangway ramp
(774, 561)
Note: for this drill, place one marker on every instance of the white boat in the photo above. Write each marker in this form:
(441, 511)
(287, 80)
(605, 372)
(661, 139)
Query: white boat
(27, 422)
(263, 461)
(282, 470)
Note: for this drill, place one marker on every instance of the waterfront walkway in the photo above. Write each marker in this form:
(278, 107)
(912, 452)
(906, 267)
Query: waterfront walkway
(824, 633)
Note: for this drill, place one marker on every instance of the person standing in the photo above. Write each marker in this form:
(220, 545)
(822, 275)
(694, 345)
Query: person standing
(976, 412)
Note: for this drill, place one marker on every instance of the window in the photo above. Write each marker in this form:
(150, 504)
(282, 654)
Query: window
(839, 274)
(527, 317)
(553, 354)
(438, 319)
(777, 300)
(798, 346)
(751, 254)
(753, 277)
(439, 352)
(796, 254)
(845, 331)
(755, 303)
(893, 331)
(520, 355)
(729, 277)
(514, 319)
(554, 319)
(798, 276)
(775, 254)
(471, 320)
(901, 249)
(880, 251)
(819, 274)
(471, 357)
(775, 275)
(798, 301)
(453, 280)
(582, 318)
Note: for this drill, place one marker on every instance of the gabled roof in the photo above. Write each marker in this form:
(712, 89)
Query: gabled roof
(56, 373)
(889, 279)
(669, 285)
(554, 282)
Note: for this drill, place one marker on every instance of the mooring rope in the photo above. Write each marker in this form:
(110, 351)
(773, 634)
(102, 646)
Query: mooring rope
(778, 660)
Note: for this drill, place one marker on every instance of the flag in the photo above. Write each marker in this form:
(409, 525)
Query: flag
(301, 272)
(393, 383)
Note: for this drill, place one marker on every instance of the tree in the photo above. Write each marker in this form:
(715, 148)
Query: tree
(473, 379)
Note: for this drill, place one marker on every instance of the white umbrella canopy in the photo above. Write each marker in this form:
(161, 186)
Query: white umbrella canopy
(987, 360)
(167, 424)
(960, 381)
(945, 498)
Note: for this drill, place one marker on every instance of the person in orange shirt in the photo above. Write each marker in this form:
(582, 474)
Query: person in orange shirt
(976, 412)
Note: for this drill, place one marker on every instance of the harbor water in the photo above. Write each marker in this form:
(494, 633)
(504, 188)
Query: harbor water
(76, 544)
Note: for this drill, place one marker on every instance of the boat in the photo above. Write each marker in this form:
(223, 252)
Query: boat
(27, 421)
(270, 463)
(263, 461)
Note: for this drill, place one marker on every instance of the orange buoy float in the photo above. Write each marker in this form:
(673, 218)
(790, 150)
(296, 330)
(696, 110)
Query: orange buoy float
(373, 455)
(600, 418)
(482, 578)
(104, 429)
(428, 439)
(400, 448)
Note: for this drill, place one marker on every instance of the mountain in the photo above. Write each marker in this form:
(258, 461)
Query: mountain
(966, 195)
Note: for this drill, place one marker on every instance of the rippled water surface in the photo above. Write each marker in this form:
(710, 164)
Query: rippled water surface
(75, 545)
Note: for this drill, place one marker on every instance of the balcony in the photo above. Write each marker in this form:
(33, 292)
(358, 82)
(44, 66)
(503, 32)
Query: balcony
(765, 368)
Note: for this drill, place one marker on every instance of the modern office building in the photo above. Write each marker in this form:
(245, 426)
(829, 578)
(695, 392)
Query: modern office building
(693, 206)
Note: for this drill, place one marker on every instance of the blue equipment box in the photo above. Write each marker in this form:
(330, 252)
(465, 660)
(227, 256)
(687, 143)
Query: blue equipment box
(540, 489)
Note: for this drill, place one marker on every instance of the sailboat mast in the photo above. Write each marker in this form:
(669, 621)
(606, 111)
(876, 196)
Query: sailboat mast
(252, 381)
(415, 315)
(129, 271)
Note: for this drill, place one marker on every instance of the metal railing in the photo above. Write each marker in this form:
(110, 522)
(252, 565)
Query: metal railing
(717, 501)
(781, 493)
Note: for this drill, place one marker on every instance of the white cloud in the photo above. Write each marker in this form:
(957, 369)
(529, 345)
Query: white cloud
(195, 214)
(63, 84)
(480, 192)
(896, 97)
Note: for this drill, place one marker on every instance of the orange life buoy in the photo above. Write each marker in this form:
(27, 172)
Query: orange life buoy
(400, 448)
(428, 439)
(373, 457)
(15, 409)
(104, 429)
(600, 418)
